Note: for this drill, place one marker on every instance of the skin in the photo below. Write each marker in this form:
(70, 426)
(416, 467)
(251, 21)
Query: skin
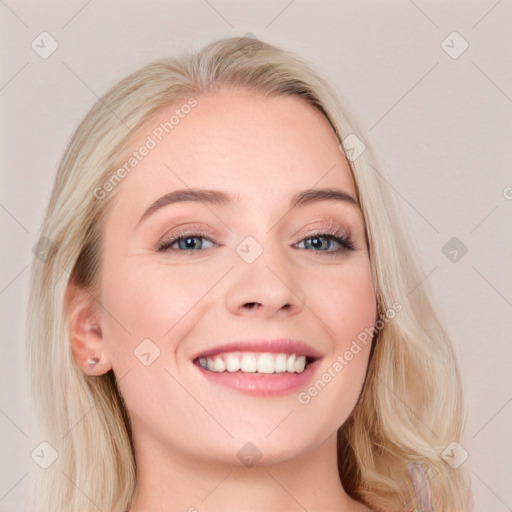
(187, 431)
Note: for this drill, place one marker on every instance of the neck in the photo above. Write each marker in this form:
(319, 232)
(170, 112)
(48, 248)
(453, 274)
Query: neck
(169, 481)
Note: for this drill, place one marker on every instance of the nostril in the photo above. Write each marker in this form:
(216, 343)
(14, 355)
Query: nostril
(252, 305)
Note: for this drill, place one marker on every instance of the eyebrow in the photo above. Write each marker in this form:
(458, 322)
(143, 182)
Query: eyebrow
(217, 197)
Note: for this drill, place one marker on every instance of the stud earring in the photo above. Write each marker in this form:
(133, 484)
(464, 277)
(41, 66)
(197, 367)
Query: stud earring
(93, 361)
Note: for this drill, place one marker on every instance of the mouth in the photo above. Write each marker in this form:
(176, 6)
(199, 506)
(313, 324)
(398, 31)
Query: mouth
(261, 368)
(249, 362)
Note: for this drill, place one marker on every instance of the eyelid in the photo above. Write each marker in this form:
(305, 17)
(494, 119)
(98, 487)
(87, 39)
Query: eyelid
(330, 226)
(320, 227)
(183, 229)
(331, 229)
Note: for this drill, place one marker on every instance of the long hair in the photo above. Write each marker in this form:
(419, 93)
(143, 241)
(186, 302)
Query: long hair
(411, 407)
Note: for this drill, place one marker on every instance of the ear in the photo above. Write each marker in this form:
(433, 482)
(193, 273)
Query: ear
(85, 334)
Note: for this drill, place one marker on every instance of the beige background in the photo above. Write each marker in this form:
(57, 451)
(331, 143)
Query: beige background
(442, 123)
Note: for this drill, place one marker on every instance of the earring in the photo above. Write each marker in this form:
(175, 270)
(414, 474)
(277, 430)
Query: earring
(93, 361)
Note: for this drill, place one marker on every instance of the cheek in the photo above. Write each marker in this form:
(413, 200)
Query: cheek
(348, 316)
(148, 302)
(346, 303)
(148, 307)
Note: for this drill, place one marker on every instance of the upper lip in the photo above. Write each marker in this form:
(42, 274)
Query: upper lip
(278, 346)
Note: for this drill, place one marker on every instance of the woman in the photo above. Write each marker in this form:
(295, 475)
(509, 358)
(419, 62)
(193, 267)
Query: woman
(228, 315)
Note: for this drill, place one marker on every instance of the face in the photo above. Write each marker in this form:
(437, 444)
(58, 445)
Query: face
(255, 263)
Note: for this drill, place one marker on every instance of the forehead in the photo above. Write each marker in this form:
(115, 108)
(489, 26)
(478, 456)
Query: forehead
(236, 140)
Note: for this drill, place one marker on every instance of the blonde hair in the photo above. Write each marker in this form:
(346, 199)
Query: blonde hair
(411, 407)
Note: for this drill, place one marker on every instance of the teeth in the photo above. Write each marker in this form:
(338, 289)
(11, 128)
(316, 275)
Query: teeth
(218, 364)
(280, 363)
(265, 363)
(255, 363)
(248, 363)
(300, 364)
(232, 363)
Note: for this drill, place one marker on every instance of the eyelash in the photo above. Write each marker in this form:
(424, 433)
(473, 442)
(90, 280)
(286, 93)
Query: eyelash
(165, 244)
(331, 232)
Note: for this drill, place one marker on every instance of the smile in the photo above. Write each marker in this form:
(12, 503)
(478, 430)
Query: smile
(259, 373)
(265, 363)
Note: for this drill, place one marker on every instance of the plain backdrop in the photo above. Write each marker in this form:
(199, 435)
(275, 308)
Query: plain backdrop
(438, 105)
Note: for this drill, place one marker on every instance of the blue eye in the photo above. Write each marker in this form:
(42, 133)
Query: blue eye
(327, 243)
(323, 242)
(185, 242)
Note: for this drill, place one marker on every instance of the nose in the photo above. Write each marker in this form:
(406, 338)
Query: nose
(267, 287)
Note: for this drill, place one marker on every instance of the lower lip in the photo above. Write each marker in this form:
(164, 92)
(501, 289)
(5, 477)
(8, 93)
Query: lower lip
(263, 384)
